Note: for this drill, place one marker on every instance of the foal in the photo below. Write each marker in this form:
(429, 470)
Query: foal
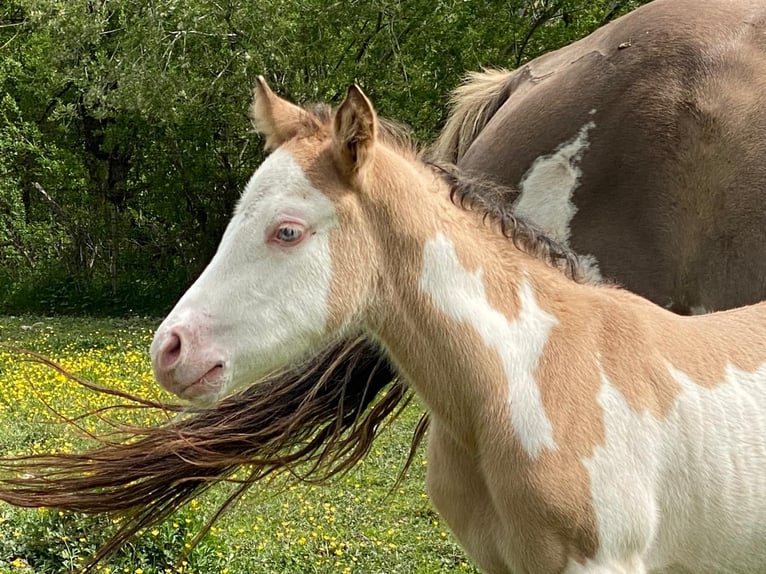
(574, 428)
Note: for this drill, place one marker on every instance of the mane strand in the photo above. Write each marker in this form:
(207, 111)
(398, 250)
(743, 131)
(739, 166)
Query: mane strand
(315, 421)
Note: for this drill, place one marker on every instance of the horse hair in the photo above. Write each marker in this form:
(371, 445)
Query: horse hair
(315, 421)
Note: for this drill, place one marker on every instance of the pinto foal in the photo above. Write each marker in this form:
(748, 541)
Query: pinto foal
(575, 428)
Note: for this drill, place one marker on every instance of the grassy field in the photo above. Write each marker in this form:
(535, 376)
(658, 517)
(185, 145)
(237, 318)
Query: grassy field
(356, 524)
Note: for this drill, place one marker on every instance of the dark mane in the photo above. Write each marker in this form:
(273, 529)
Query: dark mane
(476, 193)
(493, 201)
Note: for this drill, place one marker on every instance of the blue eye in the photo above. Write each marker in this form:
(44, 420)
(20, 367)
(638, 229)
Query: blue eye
(289, 234)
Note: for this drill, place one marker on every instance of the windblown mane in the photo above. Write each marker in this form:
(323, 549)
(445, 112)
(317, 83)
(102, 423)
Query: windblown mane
(316, 421)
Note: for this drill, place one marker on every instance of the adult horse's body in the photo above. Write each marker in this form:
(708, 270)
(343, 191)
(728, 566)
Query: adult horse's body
(642, 146)
(575, 428)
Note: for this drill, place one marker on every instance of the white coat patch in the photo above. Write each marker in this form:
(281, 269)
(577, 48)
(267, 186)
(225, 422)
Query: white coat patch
(719, 497)
(623, 473)
(590, 269)
(687, 490)
(461, 295)
(549, 184)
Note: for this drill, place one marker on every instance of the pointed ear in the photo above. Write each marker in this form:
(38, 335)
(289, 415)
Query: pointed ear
(274, 118)
(354, 130)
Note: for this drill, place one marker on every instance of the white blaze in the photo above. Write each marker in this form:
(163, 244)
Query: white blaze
(265, 305)
(519, 343)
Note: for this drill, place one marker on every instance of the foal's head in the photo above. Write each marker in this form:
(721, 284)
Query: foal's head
(297, 264)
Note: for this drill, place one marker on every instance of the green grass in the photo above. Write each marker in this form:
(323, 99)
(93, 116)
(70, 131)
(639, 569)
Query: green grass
(356, 524)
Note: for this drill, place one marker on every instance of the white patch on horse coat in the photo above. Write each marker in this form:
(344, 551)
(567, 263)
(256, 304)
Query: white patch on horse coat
(590, 269)
(548, 185)
(688, 489)
(623, 473)
(718, 499)
(698, 310)
(461, 295)
(266, 305)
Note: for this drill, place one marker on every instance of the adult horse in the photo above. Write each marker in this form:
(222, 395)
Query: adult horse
(576, 428)
(641, 146)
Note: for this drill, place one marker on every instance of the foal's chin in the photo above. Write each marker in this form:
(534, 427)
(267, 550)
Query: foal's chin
(205, 391)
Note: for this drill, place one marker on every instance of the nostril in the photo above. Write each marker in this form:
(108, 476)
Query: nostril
(170, 351)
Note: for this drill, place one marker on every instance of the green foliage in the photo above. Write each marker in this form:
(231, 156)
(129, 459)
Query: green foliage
(124, 141)
(52, 542)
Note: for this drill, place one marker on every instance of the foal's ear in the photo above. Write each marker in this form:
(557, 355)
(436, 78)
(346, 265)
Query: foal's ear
(274, 118)
(354, 130)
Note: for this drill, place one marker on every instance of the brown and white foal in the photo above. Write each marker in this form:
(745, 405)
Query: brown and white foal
(575, 428)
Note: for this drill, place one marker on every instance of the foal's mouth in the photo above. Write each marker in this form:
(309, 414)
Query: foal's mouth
(205, 387)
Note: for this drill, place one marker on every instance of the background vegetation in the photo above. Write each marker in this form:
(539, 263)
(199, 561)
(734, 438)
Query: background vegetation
(124, 140)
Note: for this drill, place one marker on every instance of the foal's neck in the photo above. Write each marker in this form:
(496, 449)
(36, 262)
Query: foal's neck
(464, 319)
